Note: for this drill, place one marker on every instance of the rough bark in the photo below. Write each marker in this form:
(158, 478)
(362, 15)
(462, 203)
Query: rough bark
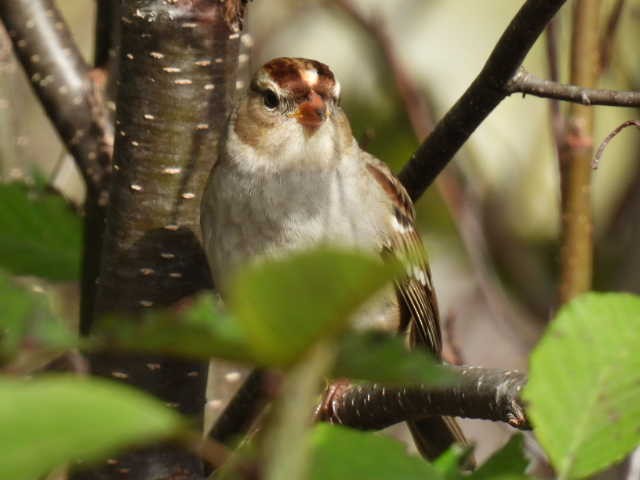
(176, 78)
(490, 394)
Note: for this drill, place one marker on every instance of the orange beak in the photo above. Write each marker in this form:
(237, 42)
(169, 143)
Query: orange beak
(312, 112)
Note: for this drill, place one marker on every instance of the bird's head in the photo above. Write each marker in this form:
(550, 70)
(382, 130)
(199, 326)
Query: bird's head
(292, 107)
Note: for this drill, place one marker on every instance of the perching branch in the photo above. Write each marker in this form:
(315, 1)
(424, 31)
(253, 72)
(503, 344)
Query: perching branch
(484, 94)
(482, 393)
(525, 82)
(61, 79)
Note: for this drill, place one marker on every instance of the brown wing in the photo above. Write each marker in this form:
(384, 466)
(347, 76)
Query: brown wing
(418, 306)
(419, 309)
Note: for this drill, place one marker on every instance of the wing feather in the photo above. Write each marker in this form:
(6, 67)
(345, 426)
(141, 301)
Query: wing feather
(415, 290)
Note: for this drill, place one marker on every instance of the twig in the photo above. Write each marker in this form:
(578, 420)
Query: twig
(482, 393)
(526, 83)
(576, 249)
(608, 38)
(484, 94)
(557, 118)
(60, 78)
(416, 107)
(596, 159)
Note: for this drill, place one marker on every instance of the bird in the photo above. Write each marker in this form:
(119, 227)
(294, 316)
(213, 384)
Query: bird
(290, 176)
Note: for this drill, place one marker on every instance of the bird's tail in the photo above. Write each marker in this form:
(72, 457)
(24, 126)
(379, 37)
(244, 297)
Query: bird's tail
(434, 435)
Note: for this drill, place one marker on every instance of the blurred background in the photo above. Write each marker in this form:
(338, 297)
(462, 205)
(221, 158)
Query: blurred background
(494, 249)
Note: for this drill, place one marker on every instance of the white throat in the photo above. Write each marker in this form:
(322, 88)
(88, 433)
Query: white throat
(289, 146)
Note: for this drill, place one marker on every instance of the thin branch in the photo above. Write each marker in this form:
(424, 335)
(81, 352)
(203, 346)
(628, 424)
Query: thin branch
(557, 117)
(526, 83)
(596, 159)
(484, 94)
(416, 107)
(482, 393)
(61, 80)
(608, 38)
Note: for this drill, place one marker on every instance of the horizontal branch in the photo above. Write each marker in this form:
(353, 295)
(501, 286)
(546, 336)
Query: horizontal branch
(482, 393)
(479, 100)
(62, 81)
(526, 83)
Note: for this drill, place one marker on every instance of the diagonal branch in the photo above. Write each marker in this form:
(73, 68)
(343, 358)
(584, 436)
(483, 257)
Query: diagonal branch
(483, 393)
(526, 83)
(484, 94)
(62, 81)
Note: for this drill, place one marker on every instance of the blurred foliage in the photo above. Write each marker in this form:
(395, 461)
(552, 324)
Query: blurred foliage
(27, 323)
(340, 453)
(199, 330)
(284, 306)
(377, 357)
(584, 386)
(40, 234)
(52, 420)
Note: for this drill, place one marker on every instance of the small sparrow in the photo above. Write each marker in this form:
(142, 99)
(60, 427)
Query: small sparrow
(290, 176)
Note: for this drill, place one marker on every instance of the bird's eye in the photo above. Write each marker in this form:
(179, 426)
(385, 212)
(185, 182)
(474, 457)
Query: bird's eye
(271, 100)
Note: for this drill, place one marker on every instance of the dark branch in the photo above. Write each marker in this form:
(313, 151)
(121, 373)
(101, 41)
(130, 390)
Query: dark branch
(482, 393)
(526, 83)
(484, 94)
(61, 80)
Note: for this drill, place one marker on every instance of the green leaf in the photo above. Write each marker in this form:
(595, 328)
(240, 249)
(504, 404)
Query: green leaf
(340, 453)
(27, 322)
(377, 357)
(200, 330)
(39, 234)
(508, 463)
(451, 462)
(56, 419)
(286, 305)
(584, 384)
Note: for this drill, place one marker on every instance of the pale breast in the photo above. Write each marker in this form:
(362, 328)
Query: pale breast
(265, 215)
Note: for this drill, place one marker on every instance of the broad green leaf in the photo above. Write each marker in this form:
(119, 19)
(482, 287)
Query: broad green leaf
(52, 420)
(340, 453)
(285, 305)
(377, 357)
(27, 322)
(198, 331)
(39, 234)
(584, 384)
(508, 463)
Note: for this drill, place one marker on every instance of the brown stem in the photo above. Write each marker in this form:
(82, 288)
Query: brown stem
(484, 94)
(482, 393)
(524, 82)
(61, 80)
(576, 250)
